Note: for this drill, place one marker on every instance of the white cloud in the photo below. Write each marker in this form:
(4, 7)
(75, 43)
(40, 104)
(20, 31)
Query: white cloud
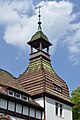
(56, 19)
(73, 44)
(11, 11)
(19, 34)
(18, 24)
(57, 22)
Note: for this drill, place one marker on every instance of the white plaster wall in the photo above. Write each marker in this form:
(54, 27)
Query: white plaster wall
(50, 110)
(68, 112)
(40, 101)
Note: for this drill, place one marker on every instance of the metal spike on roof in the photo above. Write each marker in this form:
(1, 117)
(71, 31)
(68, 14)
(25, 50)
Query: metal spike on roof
(39, 23)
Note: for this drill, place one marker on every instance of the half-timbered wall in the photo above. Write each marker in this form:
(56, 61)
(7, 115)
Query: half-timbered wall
(12, 107)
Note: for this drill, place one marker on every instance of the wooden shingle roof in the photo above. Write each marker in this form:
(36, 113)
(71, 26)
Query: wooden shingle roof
(8, 81)
(39, 78)
(38, 37)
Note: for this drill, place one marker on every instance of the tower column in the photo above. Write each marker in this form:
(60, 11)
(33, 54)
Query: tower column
(31, 50)
(40, 46)
(48, 50)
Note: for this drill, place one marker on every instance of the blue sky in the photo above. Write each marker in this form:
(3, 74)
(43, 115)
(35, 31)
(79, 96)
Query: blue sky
(60, 22)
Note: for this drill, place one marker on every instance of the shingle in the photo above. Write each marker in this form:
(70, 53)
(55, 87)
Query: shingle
(9, 81)
(40, 77)
(38, 35)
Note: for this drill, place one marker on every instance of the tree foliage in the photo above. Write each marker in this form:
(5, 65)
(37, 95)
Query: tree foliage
(76, 100)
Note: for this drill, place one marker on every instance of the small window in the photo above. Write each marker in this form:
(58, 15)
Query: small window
(17, 95)
(61, 109)
(24, 97)
(57, 88)
(11, 93)
(56, 109)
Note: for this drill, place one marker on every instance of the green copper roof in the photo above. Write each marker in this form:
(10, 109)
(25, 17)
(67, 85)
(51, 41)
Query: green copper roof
(38, 35)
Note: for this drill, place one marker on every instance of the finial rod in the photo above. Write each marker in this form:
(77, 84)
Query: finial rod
(39, 23)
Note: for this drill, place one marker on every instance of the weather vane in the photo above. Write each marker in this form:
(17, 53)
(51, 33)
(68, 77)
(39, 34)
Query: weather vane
(39, 23)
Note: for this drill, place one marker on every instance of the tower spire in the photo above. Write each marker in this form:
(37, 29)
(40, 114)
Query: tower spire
(39, 23)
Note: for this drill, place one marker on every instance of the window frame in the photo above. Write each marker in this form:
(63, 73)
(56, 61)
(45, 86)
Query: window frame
(22, 97)
(61, 110)
(9, 93)
(58, 109)
(17, 96)
(57, 88)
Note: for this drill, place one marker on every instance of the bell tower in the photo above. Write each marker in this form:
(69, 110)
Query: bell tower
(39, 42)
(41, 81)
(39, 45)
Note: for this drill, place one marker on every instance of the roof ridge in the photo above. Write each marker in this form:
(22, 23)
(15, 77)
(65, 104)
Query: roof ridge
(2, 70)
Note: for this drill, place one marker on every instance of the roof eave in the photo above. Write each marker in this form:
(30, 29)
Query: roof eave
(65, 101)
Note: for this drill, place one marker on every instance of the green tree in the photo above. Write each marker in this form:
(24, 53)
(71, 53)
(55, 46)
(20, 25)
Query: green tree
(76, 100)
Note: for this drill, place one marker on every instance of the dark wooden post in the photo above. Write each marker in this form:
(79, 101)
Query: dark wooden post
(31, 49)
(48, 50)
(40, 46)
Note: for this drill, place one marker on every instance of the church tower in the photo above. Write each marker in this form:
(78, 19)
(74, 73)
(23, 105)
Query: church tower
(41, 81)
